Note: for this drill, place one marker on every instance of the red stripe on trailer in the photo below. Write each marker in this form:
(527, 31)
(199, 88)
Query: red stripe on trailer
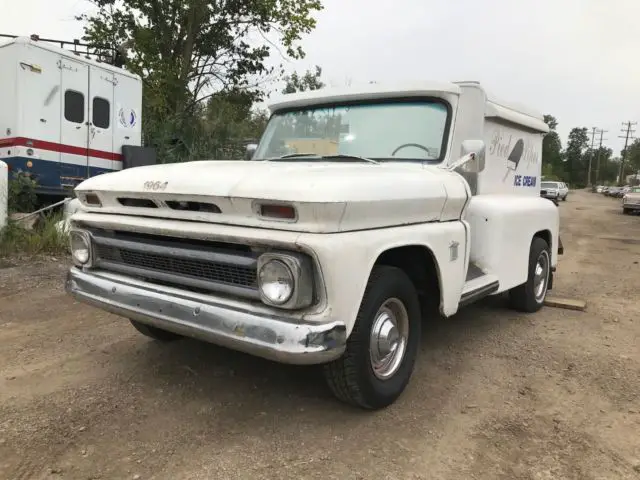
(58, 147)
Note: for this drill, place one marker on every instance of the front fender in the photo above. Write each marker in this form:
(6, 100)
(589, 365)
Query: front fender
(346, 261)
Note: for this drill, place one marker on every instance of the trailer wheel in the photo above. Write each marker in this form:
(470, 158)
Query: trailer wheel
(154, 332)
(529, 297)
(383, 345)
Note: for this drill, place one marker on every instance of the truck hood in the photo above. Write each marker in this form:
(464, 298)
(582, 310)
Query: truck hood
(327, 196)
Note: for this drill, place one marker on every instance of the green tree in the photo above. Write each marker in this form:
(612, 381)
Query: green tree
(552, 149)
(575, 171)
(187, 51)
(310, 80)
(632, 158)
(604, 168)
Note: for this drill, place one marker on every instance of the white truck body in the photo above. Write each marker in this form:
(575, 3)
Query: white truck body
(457, 234)
(64, 118)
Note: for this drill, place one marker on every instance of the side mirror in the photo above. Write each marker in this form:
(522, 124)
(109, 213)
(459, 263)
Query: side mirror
(478, 148)
(251, 149)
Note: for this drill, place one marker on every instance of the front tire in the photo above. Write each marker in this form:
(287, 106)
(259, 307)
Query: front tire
(529, 297)
(155, 333)
(383, 345)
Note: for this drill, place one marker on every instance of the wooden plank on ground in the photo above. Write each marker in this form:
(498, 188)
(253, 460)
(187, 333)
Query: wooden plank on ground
(566, 303)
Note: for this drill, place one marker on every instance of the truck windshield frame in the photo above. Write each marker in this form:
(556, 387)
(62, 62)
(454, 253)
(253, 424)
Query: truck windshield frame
(372, 128)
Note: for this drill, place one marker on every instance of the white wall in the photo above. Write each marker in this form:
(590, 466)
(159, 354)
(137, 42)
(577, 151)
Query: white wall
(4, 194)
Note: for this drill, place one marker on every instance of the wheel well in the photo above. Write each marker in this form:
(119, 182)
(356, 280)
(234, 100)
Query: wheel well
(545, 235)
(419, 264)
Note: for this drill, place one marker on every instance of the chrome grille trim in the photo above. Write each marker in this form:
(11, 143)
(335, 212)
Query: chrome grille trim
(178, 262)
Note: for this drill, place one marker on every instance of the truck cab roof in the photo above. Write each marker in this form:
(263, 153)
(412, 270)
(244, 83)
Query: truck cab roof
(494, 106)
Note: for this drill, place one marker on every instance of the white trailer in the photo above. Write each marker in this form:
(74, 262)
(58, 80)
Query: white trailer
(64, 117)
(361, 212)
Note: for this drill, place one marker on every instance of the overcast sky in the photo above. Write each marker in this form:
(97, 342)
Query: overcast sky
(574, 59)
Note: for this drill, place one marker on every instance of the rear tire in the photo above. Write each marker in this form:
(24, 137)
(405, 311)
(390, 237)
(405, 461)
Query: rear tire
(382, 348)
(529, 297)
(154, 332)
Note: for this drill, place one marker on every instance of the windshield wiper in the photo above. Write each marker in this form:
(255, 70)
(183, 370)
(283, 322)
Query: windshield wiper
(352, 157)
(324, 157)
(292, 155)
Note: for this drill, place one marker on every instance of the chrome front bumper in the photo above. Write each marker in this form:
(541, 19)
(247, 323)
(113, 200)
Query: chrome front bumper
(193, 315)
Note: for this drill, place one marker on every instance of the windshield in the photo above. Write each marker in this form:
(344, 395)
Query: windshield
(549, 185)
(634, 190)
(390, 130)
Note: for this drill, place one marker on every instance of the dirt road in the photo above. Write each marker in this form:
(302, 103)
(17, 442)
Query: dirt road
(496, 394)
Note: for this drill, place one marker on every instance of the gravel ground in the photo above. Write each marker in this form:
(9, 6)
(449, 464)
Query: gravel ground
(495, 395)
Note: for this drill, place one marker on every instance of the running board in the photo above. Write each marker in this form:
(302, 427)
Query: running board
(478, 288)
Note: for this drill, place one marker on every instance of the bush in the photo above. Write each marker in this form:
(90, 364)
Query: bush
(44, 239)
(22, 193)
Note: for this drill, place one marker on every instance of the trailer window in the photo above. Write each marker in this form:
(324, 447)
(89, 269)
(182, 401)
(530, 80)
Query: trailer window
(101, 112)
(74, 106)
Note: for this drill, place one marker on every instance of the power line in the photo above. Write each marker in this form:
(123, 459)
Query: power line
(628, 134)
(601, 132)
(593, 138)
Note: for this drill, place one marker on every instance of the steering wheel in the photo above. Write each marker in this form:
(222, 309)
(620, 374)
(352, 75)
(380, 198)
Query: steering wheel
(405, 145)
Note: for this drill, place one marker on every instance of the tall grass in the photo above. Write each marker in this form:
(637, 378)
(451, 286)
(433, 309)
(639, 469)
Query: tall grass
(44, 239)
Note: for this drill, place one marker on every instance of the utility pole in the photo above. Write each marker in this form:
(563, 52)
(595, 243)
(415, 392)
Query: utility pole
(601, 132)
(593, 139)
(628, 134)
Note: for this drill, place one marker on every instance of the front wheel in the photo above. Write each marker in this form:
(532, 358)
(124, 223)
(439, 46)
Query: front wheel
(529, 297)
(383, 345)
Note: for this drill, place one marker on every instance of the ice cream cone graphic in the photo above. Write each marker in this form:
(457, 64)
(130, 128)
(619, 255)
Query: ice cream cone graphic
(514, 157)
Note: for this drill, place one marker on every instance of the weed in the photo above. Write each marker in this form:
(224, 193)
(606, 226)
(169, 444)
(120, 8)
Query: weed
(44, 239)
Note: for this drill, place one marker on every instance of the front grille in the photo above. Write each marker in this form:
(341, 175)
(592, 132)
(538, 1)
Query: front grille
(209, 271)
(196, 265)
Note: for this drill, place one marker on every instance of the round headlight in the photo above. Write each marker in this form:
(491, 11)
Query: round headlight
(276, 282)
(79, 248)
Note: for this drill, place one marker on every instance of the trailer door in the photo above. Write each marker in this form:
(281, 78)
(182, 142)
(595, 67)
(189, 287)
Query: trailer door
(101, 120)
(74, 123)
(37, 107)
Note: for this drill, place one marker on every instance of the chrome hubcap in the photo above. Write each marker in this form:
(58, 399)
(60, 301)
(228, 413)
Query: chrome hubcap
(541, 276)
(388, 341)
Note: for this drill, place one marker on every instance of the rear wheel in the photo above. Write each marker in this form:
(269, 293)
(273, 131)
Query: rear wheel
(383, 345)
(529, 297)
(154, 332)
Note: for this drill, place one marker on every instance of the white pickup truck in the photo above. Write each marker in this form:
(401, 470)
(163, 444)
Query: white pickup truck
(359, 213)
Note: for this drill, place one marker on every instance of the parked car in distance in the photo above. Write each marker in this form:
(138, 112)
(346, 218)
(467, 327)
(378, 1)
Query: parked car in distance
(631, 200)
(599, 188)
(612, 191)
(563, 192)
(619, 192)
(553, 190)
